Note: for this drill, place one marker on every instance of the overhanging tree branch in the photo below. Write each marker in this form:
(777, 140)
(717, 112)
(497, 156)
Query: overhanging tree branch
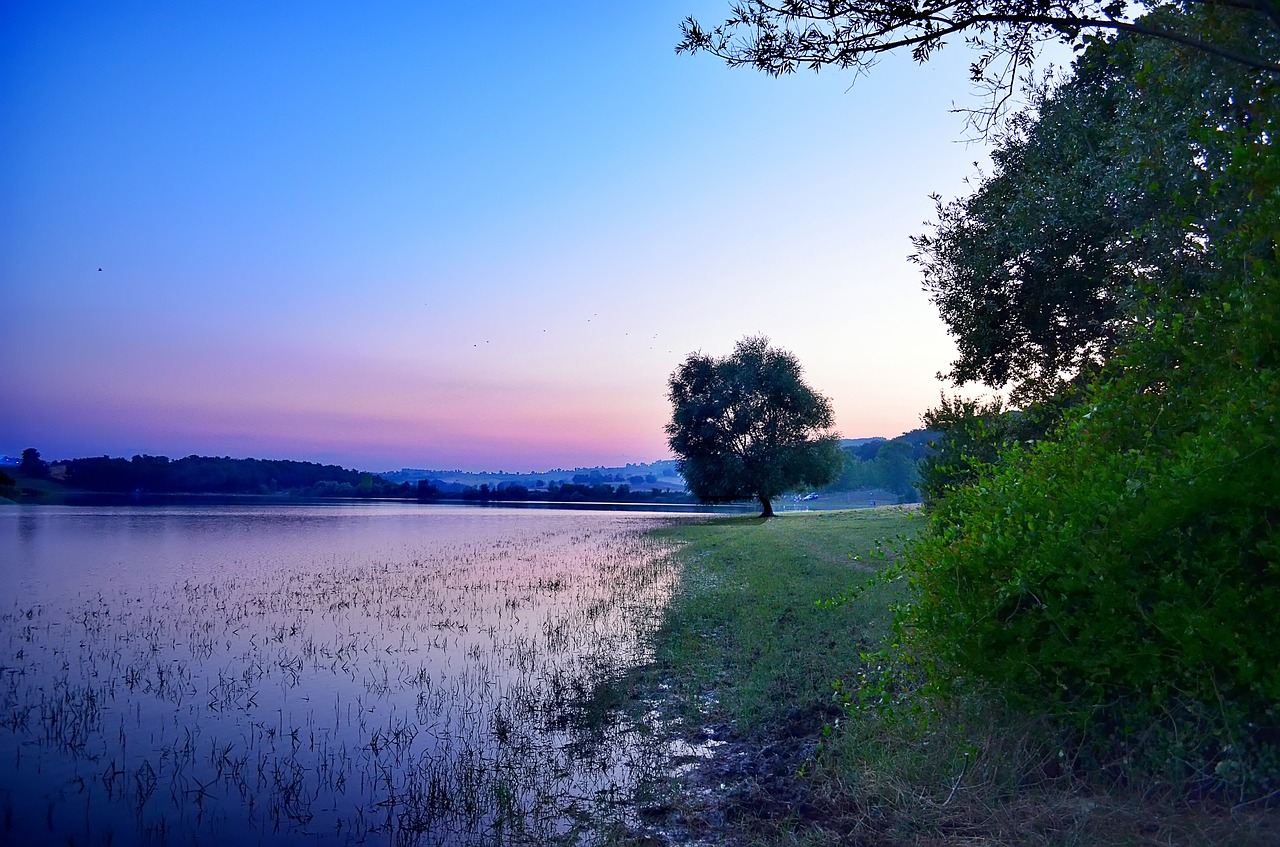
(778, 37)
(851, 51)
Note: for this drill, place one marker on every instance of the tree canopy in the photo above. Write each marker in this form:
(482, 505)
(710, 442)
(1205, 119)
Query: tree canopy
(1109, 186)
(32, 464)
(747, 426)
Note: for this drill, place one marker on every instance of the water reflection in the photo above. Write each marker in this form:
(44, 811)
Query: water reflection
(261, 675)
(27, 524)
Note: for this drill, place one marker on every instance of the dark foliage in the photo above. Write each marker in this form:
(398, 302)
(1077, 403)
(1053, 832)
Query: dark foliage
(32, 465)
(892, 465)
(972, 435)
(213, 475)
(747, 426)
(1108, 188)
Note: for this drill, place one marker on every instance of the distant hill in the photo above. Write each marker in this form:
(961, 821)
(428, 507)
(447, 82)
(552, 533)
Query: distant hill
(660, 474)
(848, 443)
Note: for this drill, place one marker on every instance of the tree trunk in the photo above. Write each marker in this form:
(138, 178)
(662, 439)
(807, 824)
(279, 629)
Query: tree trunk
(766, 507)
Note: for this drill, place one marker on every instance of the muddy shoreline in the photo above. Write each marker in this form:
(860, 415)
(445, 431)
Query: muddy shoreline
(718, 787)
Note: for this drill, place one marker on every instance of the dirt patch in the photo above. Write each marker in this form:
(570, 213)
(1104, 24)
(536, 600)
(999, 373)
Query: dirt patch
(722, 789)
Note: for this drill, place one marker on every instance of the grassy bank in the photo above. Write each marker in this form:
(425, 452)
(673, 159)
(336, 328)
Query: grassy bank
(746, 659)
(747, 629)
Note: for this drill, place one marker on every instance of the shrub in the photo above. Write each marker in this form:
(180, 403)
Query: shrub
(1124, 575)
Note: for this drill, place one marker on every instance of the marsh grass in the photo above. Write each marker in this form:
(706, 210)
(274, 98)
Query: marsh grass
(429, 696)
(748, 654)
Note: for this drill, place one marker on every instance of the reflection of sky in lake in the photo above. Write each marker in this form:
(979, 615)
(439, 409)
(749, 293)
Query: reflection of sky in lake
(52, 550)
(261, 674)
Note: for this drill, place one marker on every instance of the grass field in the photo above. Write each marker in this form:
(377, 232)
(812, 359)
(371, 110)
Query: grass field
(748, 623)
(746, 660)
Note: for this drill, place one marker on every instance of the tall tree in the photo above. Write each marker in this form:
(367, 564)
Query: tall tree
(747, 426)
(32, 465)
(1112, 185)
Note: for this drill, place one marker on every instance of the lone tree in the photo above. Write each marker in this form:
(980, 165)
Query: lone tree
(747, 426)
(32, 465)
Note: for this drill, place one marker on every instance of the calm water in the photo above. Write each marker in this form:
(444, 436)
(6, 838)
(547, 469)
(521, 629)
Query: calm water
(392, 674)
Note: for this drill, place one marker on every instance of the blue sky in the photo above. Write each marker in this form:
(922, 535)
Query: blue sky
(424, 234)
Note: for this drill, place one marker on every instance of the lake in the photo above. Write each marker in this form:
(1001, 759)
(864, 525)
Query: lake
(335, 674)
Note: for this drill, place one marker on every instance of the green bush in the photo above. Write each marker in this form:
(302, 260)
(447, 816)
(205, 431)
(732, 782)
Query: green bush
(972, 435)
(1124, 576)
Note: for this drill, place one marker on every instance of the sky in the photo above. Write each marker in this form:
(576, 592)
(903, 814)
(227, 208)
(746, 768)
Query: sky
(441, 235)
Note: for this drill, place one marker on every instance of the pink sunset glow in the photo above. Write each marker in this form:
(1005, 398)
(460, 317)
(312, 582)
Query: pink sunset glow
(379, 261)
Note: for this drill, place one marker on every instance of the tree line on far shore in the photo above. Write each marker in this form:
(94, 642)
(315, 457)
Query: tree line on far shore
(209, 475)
(888, 465)
(553, 492)
(160, 475)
